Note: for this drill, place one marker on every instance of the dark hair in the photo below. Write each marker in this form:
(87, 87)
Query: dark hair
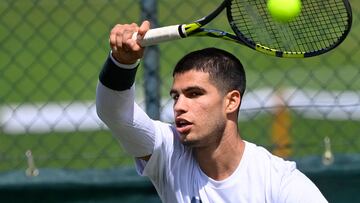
(225, 70)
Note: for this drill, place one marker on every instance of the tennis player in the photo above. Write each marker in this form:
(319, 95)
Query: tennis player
(201, 157)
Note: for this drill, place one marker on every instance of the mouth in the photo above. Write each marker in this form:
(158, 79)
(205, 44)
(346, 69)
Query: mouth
(183, 126)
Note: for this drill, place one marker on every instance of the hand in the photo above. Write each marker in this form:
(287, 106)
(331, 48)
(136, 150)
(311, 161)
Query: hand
(124, 48)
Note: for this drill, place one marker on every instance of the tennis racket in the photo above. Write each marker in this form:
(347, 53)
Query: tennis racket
(321, 26)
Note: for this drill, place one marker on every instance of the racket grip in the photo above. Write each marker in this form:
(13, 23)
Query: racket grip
(162, 34)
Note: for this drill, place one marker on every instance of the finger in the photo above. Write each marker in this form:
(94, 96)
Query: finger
(144, 27)
(127, 34)
(112, 38)
(118, 40)
(127, 41)
(115, 37)
(132, 44)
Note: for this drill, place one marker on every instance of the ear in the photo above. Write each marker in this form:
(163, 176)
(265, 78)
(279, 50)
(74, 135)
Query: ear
(233, 100)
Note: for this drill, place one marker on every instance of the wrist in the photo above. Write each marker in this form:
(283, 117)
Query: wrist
(118, 76)
(127, 65)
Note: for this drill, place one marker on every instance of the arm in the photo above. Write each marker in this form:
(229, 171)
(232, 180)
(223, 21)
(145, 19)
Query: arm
(115, 93)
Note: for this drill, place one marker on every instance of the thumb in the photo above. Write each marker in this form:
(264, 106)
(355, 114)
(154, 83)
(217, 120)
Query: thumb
(144, 27)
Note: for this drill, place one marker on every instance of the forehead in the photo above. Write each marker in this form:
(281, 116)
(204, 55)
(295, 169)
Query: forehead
(191, 78)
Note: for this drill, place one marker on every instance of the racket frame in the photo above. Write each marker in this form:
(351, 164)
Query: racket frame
(179, 31)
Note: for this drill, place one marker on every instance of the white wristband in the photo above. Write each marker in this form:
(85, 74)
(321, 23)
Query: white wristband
(124, 66)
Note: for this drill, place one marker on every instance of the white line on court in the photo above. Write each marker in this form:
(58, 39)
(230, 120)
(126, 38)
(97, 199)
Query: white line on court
(73, 116)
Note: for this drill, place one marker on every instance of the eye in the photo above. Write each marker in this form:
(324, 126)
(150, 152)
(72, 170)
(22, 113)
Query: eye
(174, 96)
(194, 94)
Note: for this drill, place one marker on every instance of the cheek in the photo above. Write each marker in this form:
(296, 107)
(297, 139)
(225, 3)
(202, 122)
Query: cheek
(212, 124)
(210, 110)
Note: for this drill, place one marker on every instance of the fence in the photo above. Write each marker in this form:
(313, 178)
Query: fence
(51, 52)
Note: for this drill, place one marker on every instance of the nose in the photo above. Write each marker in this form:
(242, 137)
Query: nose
(180, 105)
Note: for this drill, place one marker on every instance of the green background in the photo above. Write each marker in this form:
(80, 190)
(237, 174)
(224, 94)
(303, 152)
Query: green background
(52, 51)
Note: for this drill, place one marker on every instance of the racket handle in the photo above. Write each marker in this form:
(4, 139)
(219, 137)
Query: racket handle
(162, 34)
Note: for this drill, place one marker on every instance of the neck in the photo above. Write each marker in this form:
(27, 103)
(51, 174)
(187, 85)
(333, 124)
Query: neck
(220, 160)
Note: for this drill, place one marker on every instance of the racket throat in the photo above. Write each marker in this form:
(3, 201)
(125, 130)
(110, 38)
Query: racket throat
(181, 30)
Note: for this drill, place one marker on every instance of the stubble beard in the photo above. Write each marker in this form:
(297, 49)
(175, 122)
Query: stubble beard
(208, 138)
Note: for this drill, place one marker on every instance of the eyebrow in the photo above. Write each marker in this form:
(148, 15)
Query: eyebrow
(188, 89)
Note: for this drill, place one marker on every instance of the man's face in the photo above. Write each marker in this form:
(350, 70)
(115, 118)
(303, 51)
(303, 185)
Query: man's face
(198, 109)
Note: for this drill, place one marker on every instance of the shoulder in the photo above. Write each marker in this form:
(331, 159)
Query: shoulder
(162, 150)
(260, 155)
(288, 184)
(165, 132)
(269, 169)
(167, 142)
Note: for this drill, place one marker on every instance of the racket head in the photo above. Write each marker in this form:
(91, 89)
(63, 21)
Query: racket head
(321, 26)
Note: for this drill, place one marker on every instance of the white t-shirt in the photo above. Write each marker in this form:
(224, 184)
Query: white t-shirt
(260, 176)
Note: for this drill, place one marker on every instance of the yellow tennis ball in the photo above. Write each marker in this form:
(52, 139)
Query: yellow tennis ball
(284, 10)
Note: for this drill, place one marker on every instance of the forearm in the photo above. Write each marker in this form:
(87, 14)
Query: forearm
(116, 108)
(115, 92)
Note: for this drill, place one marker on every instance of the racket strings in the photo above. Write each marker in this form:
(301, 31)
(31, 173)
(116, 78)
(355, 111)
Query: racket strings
(321, 24)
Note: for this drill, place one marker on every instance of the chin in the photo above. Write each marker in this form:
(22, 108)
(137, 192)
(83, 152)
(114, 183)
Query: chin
(185, 141)
(189, 143)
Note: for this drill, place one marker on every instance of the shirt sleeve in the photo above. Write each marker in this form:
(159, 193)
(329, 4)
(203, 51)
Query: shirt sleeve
(116, 107)
(158, 167)
(163, 148)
